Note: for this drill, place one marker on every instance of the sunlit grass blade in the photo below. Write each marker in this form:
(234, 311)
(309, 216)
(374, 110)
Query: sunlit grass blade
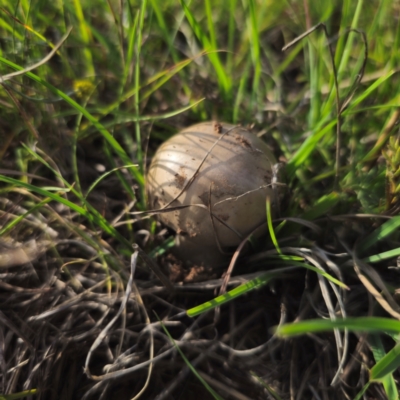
(107, 135)
(223, 79)
(6, 228)
(255, 50)
(271, 391)
(271, 227)
(367, 92)
(241, 92)
(344, 56)
(380, 233)
(19, 395)
(138, 47)
(383, 256)
(85, 36)
(385, 365)
(8, 28)
(165, 246)
(103, 176)
(320, 272)
(360, 394)
(93, 216)
(360, 324)
(254, 284)
(72, 188)
(232, 294)
(322, 206)
(126, 119)
(4, 24)
(307, 147)
(132, 30)
(163, 76)
(188, 363)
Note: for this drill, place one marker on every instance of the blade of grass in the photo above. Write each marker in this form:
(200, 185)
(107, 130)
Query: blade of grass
(380, 233)
(386, 365)
(253, 284)
(255, 51)
(93, 216)
(204, 383)
(84, 31)
(130, 51)
(138, 47)
(107, 135)
(19, 395)
(224, 81)
(18, 219)
(322, 206)
(320, 272)
(378, 369)
(307, 147)
(232, 294)
(360, 324)
(103, 176)
(271, 227)
(271, 391)
(383, 256)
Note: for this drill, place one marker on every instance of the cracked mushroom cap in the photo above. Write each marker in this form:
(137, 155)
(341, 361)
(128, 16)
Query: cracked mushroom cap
(222, 173)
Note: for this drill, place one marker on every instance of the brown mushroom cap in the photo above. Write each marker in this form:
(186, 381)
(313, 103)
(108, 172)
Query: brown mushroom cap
(223, 172)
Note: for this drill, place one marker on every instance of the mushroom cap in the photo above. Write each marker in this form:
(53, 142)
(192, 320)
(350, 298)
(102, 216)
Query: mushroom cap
(223, 173)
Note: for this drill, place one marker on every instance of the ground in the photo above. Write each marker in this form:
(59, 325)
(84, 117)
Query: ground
(95, 304)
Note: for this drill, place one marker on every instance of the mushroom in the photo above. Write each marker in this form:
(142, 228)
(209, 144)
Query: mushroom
(210, 183)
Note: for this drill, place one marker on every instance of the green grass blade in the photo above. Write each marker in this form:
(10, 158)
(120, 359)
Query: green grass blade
(188, 363)
(308, 146)
(168, 243)
(380, 233)
(232, 294)
(84, 31)
(386, 365)
(94, 216)
(349, 48)
(107, 135)
(271, 226)
(241, 93)
(118, 120)
(137, 86)
(130, 51)
(360, 394)
(320, 272)
(383, 256)
(271, 391)
(17, 220)
(383, 366)
(210, 24)
(367, 92)
(255, 49)
(19, 395)
(361, 324)
(322, 206)
(103, 176)
(253, 284)
(223, 79)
